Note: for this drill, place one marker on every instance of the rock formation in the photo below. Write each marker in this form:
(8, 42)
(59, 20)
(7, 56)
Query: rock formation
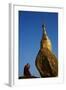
(27, 73)
(46, 62)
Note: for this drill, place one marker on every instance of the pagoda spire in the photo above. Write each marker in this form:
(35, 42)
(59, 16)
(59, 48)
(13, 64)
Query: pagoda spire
(45, 42)
(44, 29)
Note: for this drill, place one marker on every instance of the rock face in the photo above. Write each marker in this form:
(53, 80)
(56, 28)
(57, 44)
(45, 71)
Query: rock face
(46, 62)
(27, 73)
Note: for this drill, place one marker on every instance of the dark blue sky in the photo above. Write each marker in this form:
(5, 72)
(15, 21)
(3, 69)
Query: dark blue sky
(30, 34)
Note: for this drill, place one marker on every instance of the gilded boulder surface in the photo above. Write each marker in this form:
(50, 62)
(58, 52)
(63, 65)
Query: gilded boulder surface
(46, 62)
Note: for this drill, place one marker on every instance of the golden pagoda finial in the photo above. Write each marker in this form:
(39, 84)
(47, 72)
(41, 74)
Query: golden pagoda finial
(44, 29)
(45, 42)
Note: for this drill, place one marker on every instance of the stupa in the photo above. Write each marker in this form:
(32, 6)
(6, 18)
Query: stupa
(46, 62)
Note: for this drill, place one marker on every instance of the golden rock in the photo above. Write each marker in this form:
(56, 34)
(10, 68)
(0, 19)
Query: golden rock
(46, 62)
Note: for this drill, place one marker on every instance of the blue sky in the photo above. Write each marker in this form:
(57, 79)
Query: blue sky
(30, 35)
